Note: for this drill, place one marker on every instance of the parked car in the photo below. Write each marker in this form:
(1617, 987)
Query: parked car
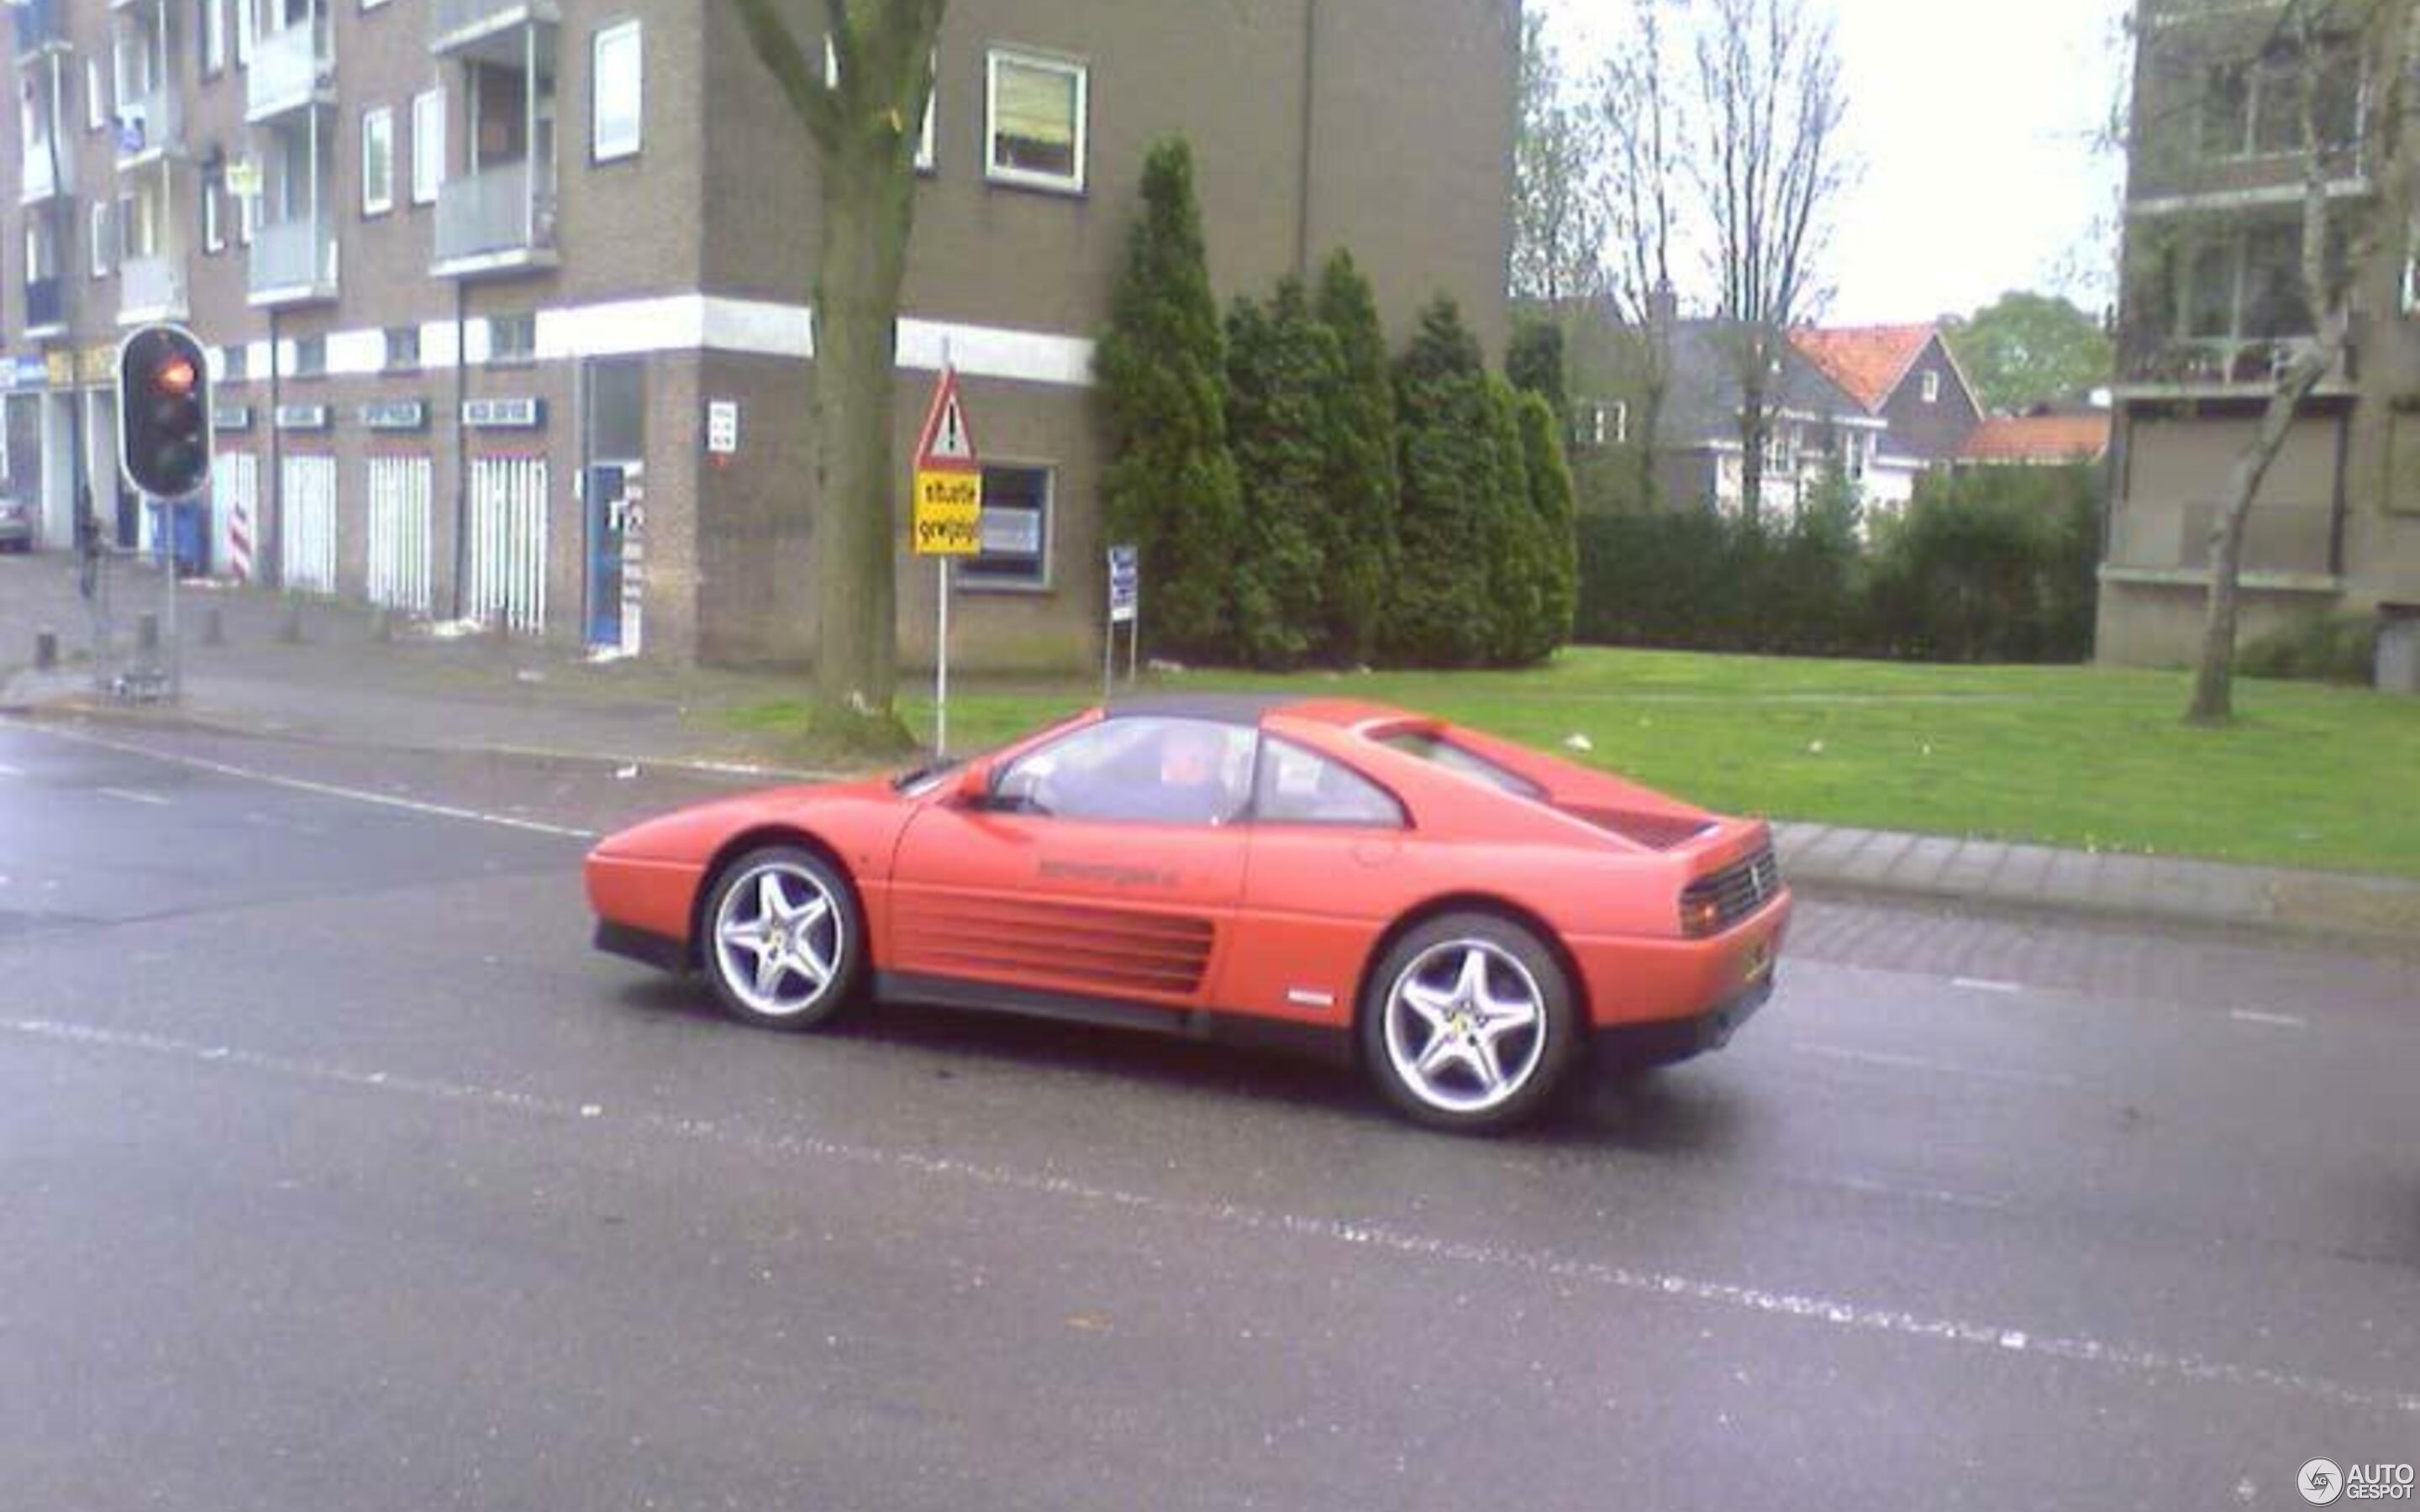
(16, 526)
(1464, 917)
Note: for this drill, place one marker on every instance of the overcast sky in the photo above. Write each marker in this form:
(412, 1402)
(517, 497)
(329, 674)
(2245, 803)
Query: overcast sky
(1975, 122)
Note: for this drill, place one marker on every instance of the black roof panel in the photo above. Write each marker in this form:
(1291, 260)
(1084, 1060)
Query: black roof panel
(1219, 708)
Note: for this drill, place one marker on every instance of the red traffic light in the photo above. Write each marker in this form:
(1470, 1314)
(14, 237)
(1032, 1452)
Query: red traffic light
(175, 377)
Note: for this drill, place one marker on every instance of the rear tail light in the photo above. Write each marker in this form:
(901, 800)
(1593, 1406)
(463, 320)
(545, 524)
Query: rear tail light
(1717, 901)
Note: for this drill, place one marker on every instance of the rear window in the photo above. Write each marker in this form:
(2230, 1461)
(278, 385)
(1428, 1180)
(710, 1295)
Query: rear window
(1429, 746)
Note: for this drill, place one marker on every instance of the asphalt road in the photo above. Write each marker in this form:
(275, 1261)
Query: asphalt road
(335, 1171)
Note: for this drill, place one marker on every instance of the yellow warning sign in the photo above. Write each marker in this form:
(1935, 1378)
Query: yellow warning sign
(947, 519)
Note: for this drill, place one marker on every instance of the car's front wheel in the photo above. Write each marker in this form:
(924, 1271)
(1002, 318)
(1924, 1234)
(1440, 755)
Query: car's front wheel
(1469, 1024)
(783, 938)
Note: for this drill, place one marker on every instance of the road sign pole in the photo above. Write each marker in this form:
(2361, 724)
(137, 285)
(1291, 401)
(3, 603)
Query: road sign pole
(941, 669)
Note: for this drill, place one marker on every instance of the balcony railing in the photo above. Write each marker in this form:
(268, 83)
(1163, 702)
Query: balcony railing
(2298, 539)
(293, 260)
(151, 289)
(34, 181)
(41, 23)
(46, 306)
(149, 123)
(459, 22)
(2222, 362)
(502, 215)
(288, 70)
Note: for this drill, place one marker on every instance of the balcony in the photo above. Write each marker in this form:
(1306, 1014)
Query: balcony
(498, 221)
(2286, 547)
(42, 26)
(2220, 366)
(150, 288)
(35, 183)
(46, 308)
(149, 127)
(291, 70)
(293, 262)
(460, 25)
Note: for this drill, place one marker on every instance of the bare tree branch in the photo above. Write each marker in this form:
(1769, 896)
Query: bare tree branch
(803, 83)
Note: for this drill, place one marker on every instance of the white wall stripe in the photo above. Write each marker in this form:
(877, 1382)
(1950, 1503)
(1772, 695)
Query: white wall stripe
(708, 323)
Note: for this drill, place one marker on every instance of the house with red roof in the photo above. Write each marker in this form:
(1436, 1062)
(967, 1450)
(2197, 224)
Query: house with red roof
(2038, 440)
(1906, 376)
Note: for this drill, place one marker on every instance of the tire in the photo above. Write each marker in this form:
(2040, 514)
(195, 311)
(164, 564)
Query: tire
(1469, 1055)
(799, 971)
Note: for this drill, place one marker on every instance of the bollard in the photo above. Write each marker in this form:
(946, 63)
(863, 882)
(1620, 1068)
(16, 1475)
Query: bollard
(289, 623)
(213, 627)
(147, 631)
(46, 649)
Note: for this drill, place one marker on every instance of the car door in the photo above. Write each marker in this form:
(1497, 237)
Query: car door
(1106, 865)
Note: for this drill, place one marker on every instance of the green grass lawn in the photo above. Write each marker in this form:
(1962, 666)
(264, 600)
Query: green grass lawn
(2079, 756)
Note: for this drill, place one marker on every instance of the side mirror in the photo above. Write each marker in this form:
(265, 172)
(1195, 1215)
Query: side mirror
(974, 787)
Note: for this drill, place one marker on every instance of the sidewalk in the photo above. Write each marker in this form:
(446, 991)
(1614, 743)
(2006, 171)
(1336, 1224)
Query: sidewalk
(343, 685)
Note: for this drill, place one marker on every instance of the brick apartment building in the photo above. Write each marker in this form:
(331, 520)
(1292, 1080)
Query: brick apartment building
(2214, 307)
(487, 281)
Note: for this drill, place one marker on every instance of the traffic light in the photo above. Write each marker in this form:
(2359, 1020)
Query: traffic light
(164, 411)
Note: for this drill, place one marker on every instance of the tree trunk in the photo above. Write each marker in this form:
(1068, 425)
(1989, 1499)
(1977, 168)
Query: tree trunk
(1751, 431)
(1644, 436)
(2214, 678)
(868, 207)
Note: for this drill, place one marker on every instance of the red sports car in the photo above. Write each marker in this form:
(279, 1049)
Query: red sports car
(1461, 915)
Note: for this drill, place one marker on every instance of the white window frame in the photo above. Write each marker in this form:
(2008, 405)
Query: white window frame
(214, 38)
(1931, 386)
(247, 20)
(427, 145)
(213, 216)
(99, 225)
(623, 143)
(96, 100)
(377, 159)
(925, 160)
(998, 173)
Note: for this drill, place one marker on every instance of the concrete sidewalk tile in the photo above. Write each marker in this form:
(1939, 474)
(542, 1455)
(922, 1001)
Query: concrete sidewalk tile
(1870, 863)
(2023, 871)
(1970, 869)
(2069, 881)
(1922, 861)
(1829, 852)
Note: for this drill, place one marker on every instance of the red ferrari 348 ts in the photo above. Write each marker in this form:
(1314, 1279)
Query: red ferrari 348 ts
(1463, 915)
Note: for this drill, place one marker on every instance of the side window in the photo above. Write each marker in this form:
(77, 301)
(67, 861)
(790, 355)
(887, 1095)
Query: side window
(1302, 787)
(1135, 768)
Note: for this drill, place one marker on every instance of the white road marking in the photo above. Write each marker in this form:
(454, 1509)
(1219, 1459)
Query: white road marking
(325, 789)
(1925, 1194)
(1898, 1061)
(1841, 1314)
(6, 770)
(133, 795)
(1986, 984)
(2283, 1021)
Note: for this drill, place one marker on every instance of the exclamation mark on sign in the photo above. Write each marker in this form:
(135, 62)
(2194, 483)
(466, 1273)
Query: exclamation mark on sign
(951, 445)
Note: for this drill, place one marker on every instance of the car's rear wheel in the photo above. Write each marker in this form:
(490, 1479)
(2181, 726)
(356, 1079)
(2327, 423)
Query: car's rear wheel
(1470, 1024)
(783, 938)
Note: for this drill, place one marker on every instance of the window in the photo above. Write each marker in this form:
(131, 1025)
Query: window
(1777, 456)
(1135, 768)
(1600, 423)
(924, 159)
(214, 23)
(2255, 108)
(1294, 786)
(512, 338)
(95, 99)
(214, 214)
(1434, 746)
(378, 160)
(103, 242)
(617, 87)
(235, 362)
(1932, 387)
(310, 356)
(1015, 531)
(247, 20)
(1034, 121)
(402, 348)
(428, 146)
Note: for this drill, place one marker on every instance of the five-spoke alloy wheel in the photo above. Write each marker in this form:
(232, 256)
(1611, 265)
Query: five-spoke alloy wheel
(1470, 1022)
(782, 938)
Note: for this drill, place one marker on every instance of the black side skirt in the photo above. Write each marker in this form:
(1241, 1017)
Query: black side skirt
(641, 945)
(1333, 1044)
(1663, 1042)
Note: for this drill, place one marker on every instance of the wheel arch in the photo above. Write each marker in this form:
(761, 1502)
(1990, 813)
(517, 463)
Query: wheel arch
(1466, 903)
(756, 839)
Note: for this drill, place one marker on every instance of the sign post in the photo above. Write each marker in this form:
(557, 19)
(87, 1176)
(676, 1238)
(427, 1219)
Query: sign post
(1125, 606)
(945, 520)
